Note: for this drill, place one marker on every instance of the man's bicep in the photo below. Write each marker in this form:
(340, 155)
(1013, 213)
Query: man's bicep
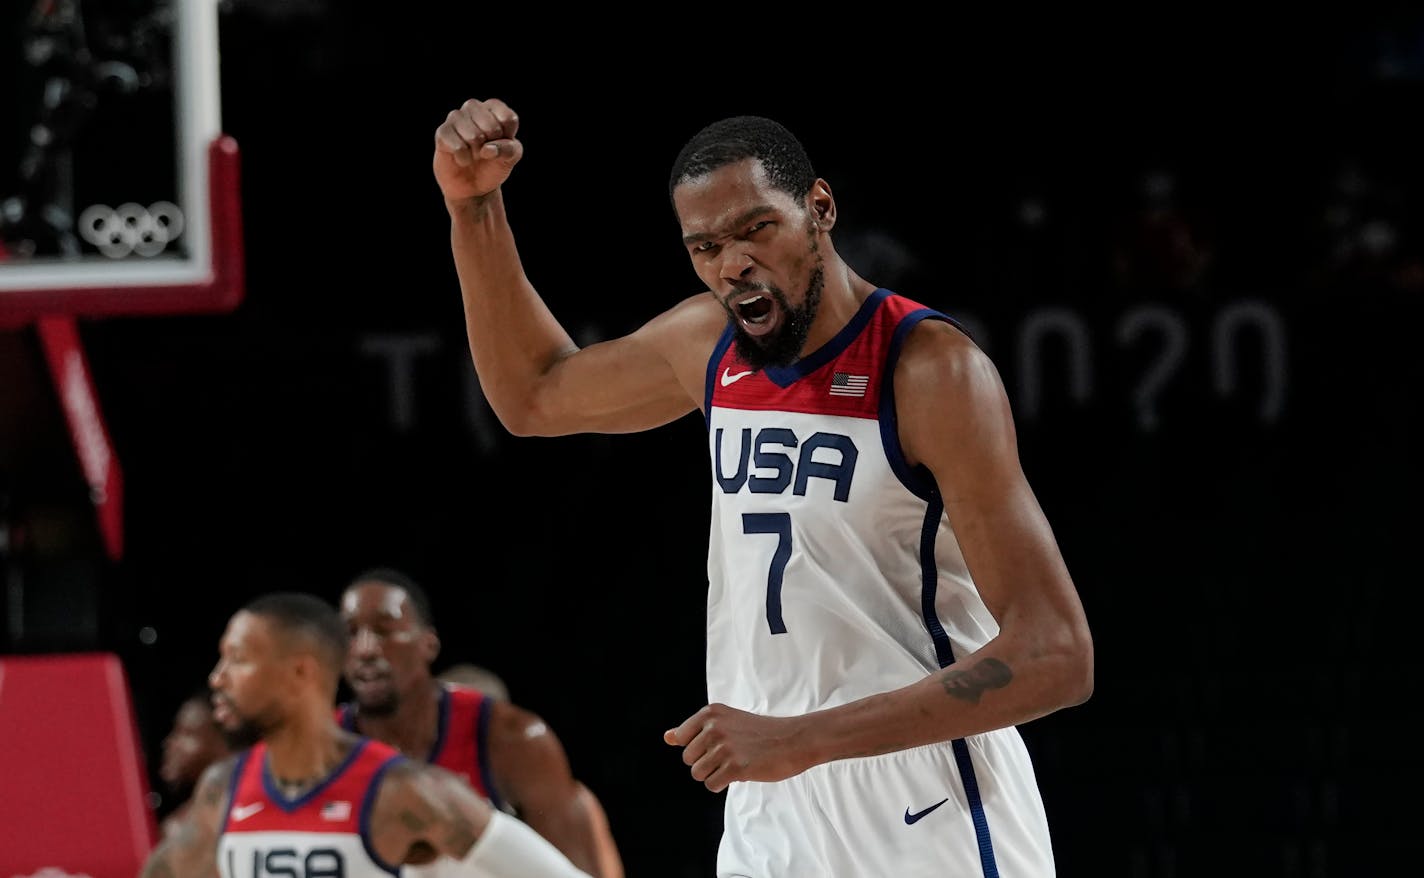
(619, 386)
(954, 415)
(639, 381)
(531, 768)
(959, 424)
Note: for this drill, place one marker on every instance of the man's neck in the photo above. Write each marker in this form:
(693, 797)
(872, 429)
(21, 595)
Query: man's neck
(841, 299)
(299, 757)
(413, 727)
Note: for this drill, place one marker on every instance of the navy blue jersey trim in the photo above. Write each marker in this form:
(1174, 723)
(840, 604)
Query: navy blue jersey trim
(918, 480)
(348, 717)
(482, 723)
(368, 803)
(785, 376)
(976, 807)
(232, 783)
(442, 724)
(944, 654)
(929, 581)
(723, 342)
(290, 805)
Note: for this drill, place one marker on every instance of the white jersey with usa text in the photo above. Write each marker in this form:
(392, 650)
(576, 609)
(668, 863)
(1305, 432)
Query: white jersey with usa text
(324, 833)
(833, 575)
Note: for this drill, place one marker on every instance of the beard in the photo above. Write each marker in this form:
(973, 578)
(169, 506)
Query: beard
(244, 735)
(783, 346)
(384, 704)
(244, 731)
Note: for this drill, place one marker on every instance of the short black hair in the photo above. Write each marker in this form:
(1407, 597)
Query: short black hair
(735, 138)
(299, 613)
(391, 576)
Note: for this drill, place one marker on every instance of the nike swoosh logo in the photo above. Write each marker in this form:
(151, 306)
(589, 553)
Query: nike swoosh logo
(729, 378)
(242, 812)
(914, 818)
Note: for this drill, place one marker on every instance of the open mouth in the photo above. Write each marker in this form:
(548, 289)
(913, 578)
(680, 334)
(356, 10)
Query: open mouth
(757, 314)
(369, 675)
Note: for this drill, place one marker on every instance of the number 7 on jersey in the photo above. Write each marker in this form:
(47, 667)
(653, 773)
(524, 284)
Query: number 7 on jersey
(778, 523)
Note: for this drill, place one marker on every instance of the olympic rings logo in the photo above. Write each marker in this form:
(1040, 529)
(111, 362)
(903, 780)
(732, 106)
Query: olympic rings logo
(131, 228)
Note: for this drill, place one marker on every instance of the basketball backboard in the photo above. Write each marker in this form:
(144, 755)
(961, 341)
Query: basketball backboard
(123, 198)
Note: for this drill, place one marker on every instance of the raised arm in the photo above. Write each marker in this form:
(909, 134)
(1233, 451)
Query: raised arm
(423, 812)
(536, 378)
(531, 772)
(191, 850)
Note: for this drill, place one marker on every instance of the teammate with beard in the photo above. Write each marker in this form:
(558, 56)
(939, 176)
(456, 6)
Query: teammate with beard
(507, 753)
(312, 799)
(886, 599)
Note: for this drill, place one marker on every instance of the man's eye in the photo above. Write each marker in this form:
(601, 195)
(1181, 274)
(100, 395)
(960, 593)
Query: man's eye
(704, 247)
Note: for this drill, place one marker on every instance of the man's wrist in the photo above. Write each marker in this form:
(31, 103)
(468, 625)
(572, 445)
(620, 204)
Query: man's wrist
(473, 209)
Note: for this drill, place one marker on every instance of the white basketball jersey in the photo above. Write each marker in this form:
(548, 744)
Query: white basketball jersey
(832, 568)
(834, 574)
(324, 832)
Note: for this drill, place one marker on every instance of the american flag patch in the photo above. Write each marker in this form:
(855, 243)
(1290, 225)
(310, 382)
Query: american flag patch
(846, 384)
(336, 811)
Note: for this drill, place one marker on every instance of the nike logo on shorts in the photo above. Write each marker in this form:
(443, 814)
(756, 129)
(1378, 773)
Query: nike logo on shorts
(913, 818)
(729, 378)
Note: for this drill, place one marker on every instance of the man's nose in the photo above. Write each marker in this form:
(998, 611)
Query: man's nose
(736, 265)
(365, 642)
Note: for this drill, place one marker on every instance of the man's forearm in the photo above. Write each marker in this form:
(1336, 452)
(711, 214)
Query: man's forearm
(966, 698)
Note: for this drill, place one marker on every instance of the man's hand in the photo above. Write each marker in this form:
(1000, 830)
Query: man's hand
(475, 149)
(723, 744)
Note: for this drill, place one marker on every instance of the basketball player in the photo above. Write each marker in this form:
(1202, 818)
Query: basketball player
(193, 743)
(508, 754)
(886, 598)
(610, 861)
(311, 799)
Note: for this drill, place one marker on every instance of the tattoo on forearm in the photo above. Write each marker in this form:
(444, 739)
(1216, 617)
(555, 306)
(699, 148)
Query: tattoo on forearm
(413, 821)
(973, 682)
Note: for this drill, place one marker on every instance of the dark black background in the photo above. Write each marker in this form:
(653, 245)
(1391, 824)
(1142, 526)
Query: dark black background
(1246, 569)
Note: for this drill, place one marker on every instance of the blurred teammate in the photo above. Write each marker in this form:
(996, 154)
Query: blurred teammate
(507, 753)
(194, 742)
(311, 799)
(886, 599)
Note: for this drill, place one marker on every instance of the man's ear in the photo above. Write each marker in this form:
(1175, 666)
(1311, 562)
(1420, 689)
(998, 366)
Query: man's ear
(822, 205)
(305, 668)
(430, 645)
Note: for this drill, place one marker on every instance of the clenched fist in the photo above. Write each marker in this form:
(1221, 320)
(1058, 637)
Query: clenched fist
(475, 149)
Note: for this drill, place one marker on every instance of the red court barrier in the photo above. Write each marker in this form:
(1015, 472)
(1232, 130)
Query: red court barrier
(73, 779)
